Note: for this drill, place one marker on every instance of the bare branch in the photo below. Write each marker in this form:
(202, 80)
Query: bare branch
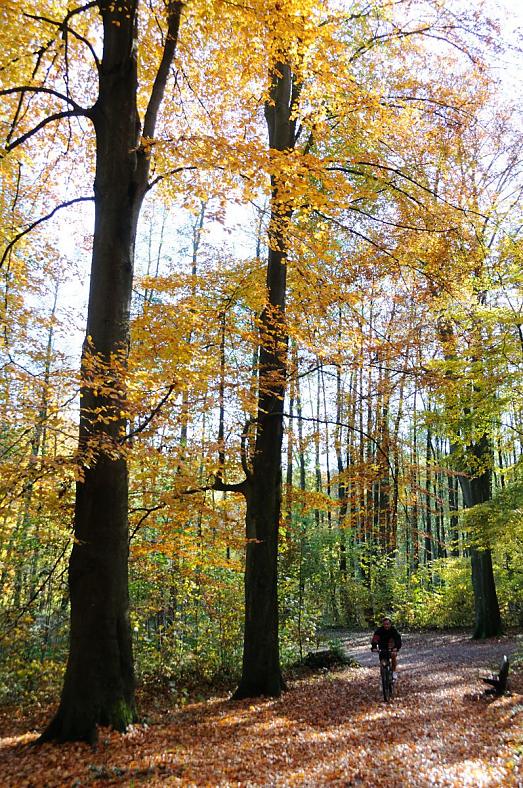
(347, 426)
(398, 225)
(49, 574)
(384, 37)
(40, 221)
(144, 517)
(358, 235)
(419, 185)
(394, 186)
(168, 175)
(49, 91)
(65, 27)
(41, 125)
(81, 9)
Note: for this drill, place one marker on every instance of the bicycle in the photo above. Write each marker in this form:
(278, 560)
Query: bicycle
(386, 674)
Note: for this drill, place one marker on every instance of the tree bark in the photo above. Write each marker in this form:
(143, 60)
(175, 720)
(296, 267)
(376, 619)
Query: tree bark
(99, 680)
(261, 671)
(478, 489)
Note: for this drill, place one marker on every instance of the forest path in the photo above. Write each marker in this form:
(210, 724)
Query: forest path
(421, 649)
(328, 729)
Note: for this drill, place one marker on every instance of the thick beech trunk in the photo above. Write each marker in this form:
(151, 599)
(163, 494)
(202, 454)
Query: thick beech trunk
(99, 681)
(261, 672)
(478, 490)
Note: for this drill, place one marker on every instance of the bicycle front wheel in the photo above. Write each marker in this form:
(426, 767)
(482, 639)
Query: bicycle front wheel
(386, 682)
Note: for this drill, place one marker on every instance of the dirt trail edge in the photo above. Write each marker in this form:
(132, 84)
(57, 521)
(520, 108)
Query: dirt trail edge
(328, 729)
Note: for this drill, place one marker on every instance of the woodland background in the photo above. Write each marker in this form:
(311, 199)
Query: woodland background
(399, 210)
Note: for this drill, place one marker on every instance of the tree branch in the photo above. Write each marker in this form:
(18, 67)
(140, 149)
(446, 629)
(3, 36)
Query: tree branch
(396, 224)
(349, 427)
(50, 119)
(34, 595)
(174, 9)
(350, 171)
(219, 486)
(419, 185)
(49, 91)
(168, 174)
(142, 519)
(65, 27)
(151, 415)
(383, 37)
(40, 221)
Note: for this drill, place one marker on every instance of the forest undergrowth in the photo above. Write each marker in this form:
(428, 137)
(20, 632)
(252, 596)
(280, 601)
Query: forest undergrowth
(329, 728)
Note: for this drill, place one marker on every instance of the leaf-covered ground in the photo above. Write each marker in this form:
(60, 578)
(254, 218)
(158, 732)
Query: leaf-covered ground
(328, 729)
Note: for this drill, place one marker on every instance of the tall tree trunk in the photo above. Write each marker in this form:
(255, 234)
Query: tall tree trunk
(415, 475)
(453, 515)
(99, 681)
(197, 230)
(342, 479)
(38, 447)
(427, 539)
(290, 448)
(396, 463)
(478, 489)
(261, 672)
(318, 513)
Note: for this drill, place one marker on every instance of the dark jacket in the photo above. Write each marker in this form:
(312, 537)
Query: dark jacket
(382, 637)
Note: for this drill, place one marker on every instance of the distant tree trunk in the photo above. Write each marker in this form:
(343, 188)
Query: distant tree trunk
(441, 542)
(453, 516)
(363, 536)
(197, 229)
(318, 514)
(290, 452)
(301, 444)
(342, 480)
(99, 681)
(396, 463)
(38, 446)
(261, 672)
(370, 459)
(415, 473)
(427, 541)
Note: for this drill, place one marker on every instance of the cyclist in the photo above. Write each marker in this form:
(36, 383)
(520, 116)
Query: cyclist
(387, 638)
